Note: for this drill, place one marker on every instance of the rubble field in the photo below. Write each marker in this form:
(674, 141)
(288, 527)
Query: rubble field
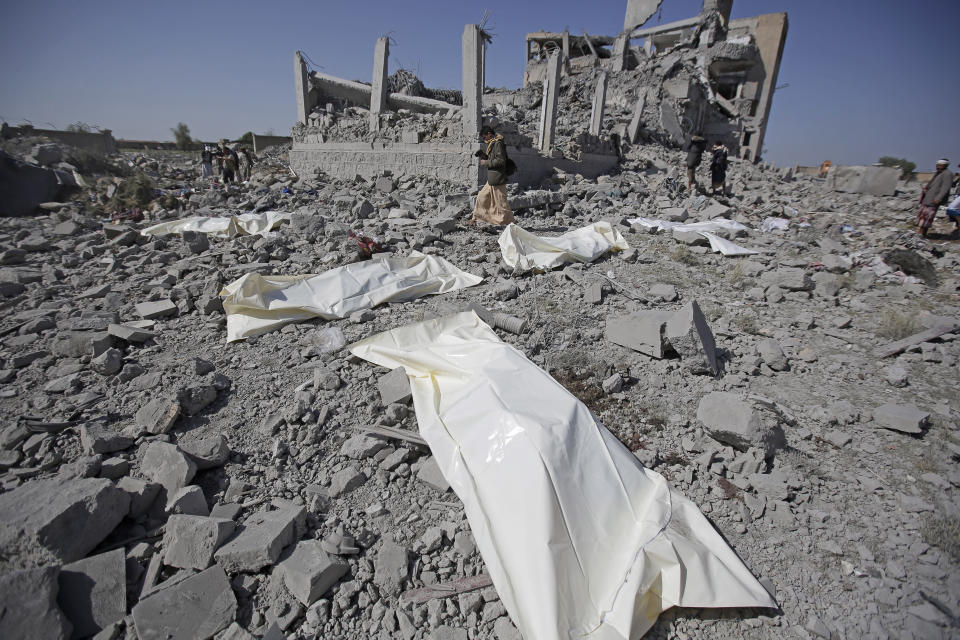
(157, 481)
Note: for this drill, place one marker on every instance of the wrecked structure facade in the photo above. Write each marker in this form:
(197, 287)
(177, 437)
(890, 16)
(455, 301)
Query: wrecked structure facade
(706, 75)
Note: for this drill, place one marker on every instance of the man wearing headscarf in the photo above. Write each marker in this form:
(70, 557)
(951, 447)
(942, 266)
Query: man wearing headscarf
(934, 195)
(492, 204)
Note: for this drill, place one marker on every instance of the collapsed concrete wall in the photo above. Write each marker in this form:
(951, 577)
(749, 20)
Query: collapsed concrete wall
(93, 141)
(262, 142)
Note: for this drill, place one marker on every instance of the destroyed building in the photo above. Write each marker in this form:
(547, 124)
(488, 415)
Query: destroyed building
(584, 99)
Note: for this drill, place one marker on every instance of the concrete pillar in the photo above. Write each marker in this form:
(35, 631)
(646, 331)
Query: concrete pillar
(303, 87)
(548, 110)
(472, 79)
(634, 127)
(621, 47)
(378, 96)
(566, 50)
(483, 68)
(599, 101)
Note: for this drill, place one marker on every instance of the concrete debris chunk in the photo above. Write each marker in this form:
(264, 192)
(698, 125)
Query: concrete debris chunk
(190, 541)
(346, 480)
(904, 418)
(189, 501)
(731, 420)
(194, 399)
(207, 453)
(361, 446)
(28, 606)
(93, 592)
(129, 333)
(429, 473)
(689, 334)
(195, 608)
(165, 464)
(394, 387)
(67, 519)
(158, 415)
(259, 543)
(108, 363)
(772, 354)
(157, 310)
(96, 437)
(391, 566)
(308, 572)
(789, 278)
(142, 494)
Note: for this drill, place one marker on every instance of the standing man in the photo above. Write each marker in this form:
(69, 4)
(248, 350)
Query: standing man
(694, 147)
(934, 195)
(718, 169)
(206, 162)
(492, 204)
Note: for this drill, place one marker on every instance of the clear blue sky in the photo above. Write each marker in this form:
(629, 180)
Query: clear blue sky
(865, 78)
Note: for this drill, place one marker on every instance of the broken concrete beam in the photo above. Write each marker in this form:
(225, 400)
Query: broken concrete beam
(29, 609)
(730, 420)
(157, 309)
(165, 464)
(900, 346)
(633, 130)
(259, 543)
(548, 108)
(472, 80)
(93, 592)
(599, 102)
(378, 93)
(67, 519)
(195, 608)
(904, 418)
(394, 387)
(308, 572)
(189, 542)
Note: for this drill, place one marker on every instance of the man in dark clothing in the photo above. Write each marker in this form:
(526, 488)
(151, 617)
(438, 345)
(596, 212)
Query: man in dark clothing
(492, 204)
(694, 147)
(934, 194)
(718, 169)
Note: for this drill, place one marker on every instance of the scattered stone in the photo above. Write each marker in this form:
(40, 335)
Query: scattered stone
(96, 437)
(196, 607)
(730, 420)
(260, 541)
(308, 572)
(189, 501)
(165, 464)
(207, 453)
(394, 387)
(904, 418)
(93, 592)
(158, 415)
(190, 541)
(772, 355)
(29, 608)
(157, 310)
(391, 566)
(429, 473)
(346, 480)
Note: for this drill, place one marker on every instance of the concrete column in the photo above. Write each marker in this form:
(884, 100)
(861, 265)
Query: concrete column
(634, 127)
(548, 110)
(566, 50)
(472, 79)
(378, 96)
(303, 87)
(599, 101)
(621, 47)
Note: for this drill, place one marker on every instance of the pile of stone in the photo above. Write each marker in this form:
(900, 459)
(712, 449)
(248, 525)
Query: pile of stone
(157, 482)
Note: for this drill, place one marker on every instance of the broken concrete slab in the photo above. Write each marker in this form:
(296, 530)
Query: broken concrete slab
(429, 473)
(188, 501)
(195, 608)
(789, 278)
(96, 437)
(93, 592)
(67, 519)
(129, 333)
(308, 572)
(167, 465)
(190, 541)
(207, 453)
(156, 310)
(689, 334)
(260, 541)
(394, 387)
(28, 606)
(904, 418)
(391, 566)
(875, 181)
(643, 332)
(731, 420)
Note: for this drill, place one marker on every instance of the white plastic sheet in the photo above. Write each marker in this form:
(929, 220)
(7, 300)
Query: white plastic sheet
(580, 540)
(705, 229)
(256, 304)
(227, 226)
(524, 251)
(772, 224)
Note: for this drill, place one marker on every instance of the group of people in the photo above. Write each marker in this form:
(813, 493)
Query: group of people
(695, 148)
(937, 192)
(233, 166)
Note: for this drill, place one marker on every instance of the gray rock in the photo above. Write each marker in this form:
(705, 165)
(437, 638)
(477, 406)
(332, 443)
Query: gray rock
(195, 241)
(195, 608)
(158, 415)
(129, 334)
(108, 363)
(391, 566)
(444, 632)
(188, 501)
(308, 572)
(690, 336)
(643, 332)
(194, 399)
(897, 376)
(361, 446)
(96, 437)
(259, 543)
(68, 519)
(142, 494)
(157, 310)
(904, 418)
(613, 384)
(166, 464)
(93, 592)
(789, 278)
(207, 453)
(189, 542)
(503, 629)
(394, 387)
(772, 355)
(346, 480)
(663, 292)
(29, 609)
(730, 420)
(326, 380)
(429, 473)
